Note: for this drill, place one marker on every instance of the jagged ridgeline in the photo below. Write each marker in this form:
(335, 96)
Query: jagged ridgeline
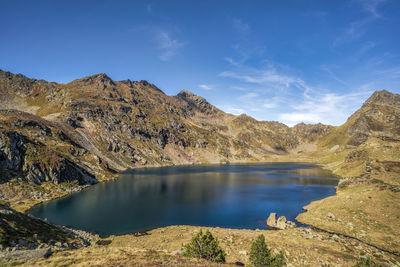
(87, 128)
(90, 128)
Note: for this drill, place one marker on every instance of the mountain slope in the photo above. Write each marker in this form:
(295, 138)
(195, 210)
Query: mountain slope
(134, 124)
(368, 142)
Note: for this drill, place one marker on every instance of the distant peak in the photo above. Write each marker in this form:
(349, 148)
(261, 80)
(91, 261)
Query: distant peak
(100, 79)
(100, 76)
(382, 93)
(185, 93)
(197, 102)
(383, 97)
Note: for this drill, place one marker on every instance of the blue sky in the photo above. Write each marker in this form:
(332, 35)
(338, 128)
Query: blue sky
(289, 61)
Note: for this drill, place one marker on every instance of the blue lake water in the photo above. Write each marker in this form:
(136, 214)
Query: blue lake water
(234, 196)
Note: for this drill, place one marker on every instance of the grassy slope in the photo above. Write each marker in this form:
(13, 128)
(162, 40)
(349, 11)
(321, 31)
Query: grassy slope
(159, 247)
(16, 226)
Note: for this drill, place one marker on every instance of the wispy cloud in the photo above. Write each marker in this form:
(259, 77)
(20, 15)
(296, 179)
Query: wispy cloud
(390, 73)
(270, 105)
(149, 8)
(163, 39)
(168, 45)
(371, 6)
(206, 87)
(294, 118)
(358, 28)
(320, 108)
(239, 88)
(333, 75)
(269, 77)
(233, 110)
(364, 48)
(240, 26)
(291, 99)
(353, 31)
(250, 95)
(233, 62)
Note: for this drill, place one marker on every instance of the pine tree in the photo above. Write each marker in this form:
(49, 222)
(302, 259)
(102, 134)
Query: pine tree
(260, 255)
(205, 246)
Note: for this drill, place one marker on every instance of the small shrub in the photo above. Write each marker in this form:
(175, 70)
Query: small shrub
(367, 262)
(260, 255)
(204, 246)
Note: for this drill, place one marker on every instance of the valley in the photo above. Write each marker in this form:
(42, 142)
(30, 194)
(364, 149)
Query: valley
(56, 139)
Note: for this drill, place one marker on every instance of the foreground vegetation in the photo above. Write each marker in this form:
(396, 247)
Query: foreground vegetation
(163, 246)
(204, 246)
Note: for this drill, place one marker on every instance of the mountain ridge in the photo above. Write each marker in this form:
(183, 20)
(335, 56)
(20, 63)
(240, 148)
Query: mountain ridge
(164, 130)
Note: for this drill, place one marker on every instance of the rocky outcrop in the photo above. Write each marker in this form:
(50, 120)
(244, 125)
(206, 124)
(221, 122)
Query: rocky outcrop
(280, 223)
(197, 103)
(20, 231)
(378, 117)
(311, 132)
(30, 149)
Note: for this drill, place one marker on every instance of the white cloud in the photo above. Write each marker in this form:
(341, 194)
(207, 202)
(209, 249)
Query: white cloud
(233, 110)
(353, 31)
(357, 29)
(250, 95)
(239, 88)
(232, 61)
(240, 26)
(270, 105)
(390, 72)
(333, 75)
(269, 77)
(328, 108)
(168, 45)
(161, 39)
(371, 6)
(205, 87)
(293, 118)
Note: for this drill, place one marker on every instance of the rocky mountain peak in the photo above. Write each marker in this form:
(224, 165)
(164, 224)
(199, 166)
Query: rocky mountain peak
(18, 83)
(378, 117)
(383, 97)
(101, 80)
(185, 94)
(197, 102)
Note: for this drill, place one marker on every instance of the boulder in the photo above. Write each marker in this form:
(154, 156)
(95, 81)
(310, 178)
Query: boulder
(271, 221)
(280, 223)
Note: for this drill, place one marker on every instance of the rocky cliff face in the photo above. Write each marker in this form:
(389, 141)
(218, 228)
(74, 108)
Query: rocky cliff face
(369, 142)
(90, 128)
(37, 151)
(379, 117)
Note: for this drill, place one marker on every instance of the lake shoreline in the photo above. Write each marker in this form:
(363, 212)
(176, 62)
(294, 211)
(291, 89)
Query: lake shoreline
(270, 168)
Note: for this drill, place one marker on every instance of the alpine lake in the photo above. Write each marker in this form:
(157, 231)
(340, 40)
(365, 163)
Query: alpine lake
(232, 196)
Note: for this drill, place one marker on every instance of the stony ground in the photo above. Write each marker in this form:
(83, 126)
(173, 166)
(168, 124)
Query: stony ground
(162, 247)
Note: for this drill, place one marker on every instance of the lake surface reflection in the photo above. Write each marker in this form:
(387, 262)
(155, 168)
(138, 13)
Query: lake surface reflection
(234, 196)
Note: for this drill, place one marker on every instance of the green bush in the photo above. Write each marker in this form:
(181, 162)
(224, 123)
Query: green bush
(260, 255)
(367, 262)
(204, 246)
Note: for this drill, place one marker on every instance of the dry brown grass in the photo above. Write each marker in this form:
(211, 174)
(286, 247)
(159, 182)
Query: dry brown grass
(302, 247)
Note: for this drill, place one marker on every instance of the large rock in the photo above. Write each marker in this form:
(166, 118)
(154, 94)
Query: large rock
(280, 223)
